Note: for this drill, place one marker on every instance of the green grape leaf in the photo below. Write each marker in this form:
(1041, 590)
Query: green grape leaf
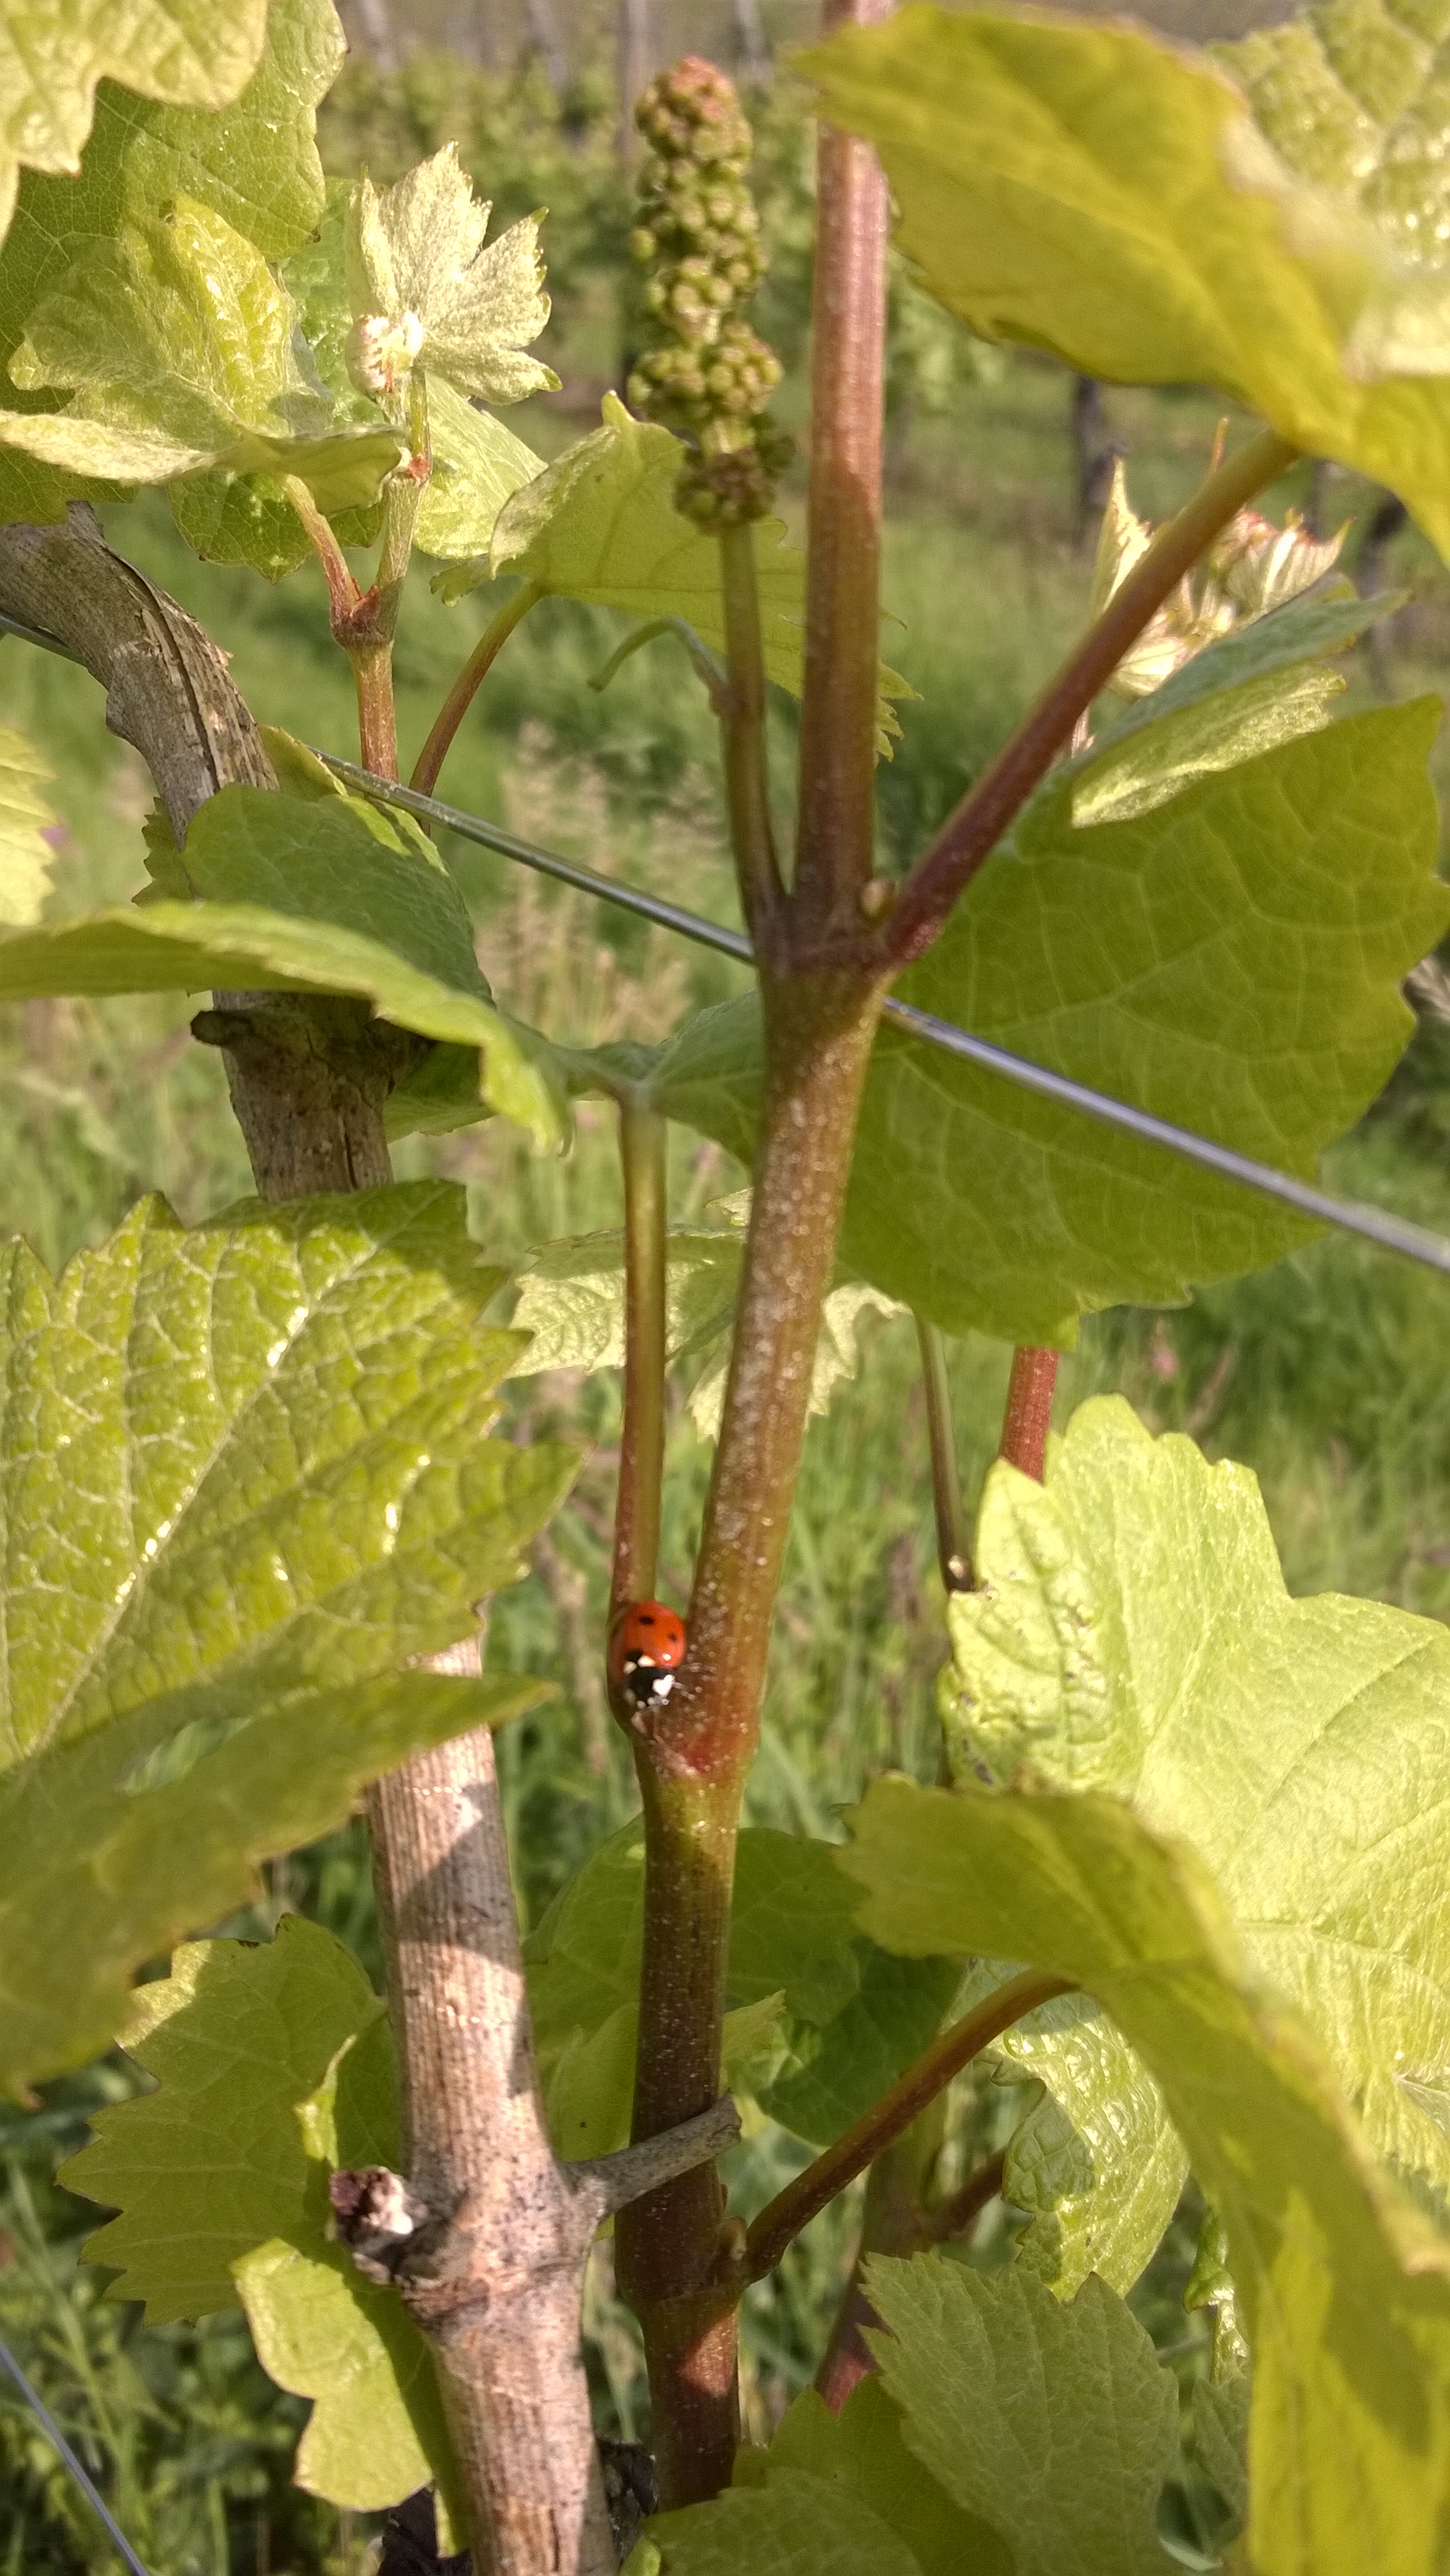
(189, 53)
(328, 896)
(600, 524)
(572, 1302)
(1053, 2422)
(182, 353)
(1097, 2164)
(26, 819)
(1006, 2435)
(1342, 2286)
(798, 2525)
(477, 465)
(862, 2451)
(417, 263)
(213, 2162)
(1242, 979)
(852, 2019)
(1217, 2434)
(832, 2068)
(1289, 1742)
(218, 1552)
(1094, 192)
(1349, 100)
(1243, 695)
(376, 2433)
(254, 163)
(275, 2067)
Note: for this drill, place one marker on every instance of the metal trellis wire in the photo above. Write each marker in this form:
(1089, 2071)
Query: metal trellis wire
(87, 2485)
(1377, 1225)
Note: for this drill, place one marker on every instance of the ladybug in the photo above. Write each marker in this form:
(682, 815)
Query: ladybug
(646, 1650)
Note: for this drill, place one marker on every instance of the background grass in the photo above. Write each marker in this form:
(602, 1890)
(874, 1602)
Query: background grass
(1326, 1374)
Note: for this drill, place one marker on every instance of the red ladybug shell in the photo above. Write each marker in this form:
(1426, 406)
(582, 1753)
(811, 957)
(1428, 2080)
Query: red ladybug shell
(649, 1642)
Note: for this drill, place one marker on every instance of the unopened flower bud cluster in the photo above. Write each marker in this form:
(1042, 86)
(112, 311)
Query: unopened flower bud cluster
(698, 236)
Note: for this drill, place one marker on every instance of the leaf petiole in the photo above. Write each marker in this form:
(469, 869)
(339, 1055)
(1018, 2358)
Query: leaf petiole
(470, 679)
(810, 2192)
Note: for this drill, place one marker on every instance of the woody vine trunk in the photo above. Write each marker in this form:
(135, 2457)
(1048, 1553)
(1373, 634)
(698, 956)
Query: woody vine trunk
(499, 2294)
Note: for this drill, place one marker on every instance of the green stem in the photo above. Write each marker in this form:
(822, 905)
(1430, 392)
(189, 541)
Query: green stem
(1028, 1417)
(747, 790)
(803, 2199)
(953, 1547)
(642, 1138)
(971, 833)
(475, 670)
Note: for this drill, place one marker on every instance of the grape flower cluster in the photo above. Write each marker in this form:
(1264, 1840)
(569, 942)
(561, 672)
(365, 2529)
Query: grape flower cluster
(706, 373)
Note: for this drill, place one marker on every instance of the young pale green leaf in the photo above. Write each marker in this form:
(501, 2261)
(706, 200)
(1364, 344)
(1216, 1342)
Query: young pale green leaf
(1242, 979)
(1240, 696)
(1091, 191)
(53, 54)
(477, 465)
(26, 821)
(854, 2019)
(418, 266)
(254, 163)
(1344, 2292)
(245, 1483)
(1054, 2423)
(213, 2163)
(1133, 1634)
(329, 896)
(600, 524)
(181, 351)
(476, 461)
(1350, 101)
(572, 1302)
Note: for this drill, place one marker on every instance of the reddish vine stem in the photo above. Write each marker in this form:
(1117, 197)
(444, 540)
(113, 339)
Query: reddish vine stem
(835, 839)
(468, 683)
(809, 2193)
(971, 832)
(1028, 1417)
(674, 2260)
(956, 2215)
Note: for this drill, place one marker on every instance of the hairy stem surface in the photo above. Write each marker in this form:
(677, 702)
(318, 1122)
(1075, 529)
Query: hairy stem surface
(1028, 1418)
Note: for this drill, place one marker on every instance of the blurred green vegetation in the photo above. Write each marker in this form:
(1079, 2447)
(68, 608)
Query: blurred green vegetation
(1325, 1374)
